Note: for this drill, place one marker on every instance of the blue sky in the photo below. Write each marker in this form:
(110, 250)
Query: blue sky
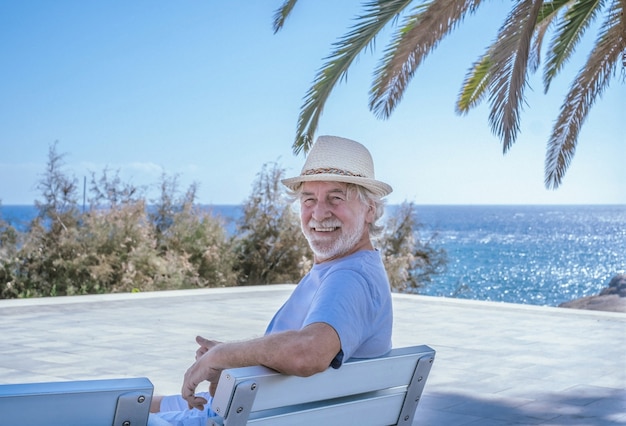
(205, 90)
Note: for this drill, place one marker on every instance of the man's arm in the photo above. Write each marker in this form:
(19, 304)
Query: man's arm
(301, 353)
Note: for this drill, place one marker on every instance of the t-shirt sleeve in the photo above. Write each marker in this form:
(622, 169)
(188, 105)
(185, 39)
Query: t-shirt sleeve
(344, 302)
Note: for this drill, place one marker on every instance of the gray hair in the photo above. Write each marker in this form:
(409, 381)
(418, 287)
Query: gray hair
(365, 197)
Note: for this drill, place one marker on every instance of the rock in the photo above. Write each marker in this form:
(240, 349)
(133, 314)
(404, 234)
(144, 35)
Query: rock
(609, 302)
(611, 299)
(617, 285)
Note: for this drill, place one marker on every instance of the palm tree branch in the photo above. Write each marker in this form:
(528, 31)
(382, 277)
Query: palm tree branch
(421, 32)
(510, 58)
(475, 85)
(589, 84)
(552, 8)
(377, 14)
(569, 31)
(282, 13)
(549, 12)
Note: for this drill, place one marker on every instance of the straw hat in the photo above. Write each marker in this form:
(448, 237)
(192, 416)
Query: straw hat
(338, 159)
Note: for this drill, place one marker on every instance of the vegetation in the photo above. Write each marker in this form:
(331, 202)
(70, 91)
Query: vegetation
(500, 74)
(121, 243)
(409, 261)
(270, 247)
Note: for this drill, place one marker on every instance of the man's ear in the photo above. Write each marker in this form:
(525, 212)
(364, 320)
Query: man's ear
(370, 215)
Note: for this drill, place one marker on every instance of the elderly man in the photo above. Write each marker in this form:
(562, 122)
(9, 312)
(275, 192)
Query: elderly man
(340, 309)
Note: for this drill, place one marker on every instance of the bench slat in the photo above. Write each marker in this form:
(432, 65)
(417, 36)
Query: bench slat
(375, 410)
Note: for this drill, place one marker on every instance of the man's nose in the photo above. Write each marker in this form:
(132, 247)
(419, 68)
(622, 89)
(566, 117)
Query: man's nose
(321, 211)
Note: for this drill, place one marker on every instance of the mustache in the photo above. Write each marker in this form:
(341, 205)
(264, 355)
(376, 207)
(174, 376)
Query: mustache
(330, 223)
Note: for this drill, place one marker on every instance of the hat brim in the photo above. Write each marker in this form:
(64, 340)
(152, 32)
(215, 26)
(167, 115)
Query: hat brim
(377, 187)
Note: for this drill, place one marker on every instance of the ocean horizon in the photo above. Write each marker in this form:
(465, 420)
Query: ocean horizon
(529, 254)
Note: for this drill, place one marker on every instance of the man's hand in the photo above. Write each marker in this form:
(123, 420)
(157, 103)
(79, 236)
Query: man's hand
(205, 346)
(200, 371)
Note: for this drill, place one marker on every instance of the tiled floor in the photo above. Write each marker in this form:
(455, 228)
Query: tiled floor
(496, 364)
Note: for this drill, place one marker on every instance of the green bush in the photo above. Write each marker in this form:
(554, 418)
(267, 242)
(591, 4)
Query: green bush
(9, 241)
(269, 244)
(118, 245)
(198, 243)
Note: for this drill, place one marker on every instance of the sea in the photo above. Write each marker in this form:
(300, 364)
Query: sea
(536, 255)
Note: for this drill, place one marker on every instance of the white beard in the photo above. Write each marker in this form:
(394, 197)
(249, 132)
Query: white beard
(326, 248)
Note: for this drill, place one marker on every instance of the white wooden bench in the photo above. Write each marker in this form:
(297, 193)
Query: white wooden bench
(379, 391)
(376, 392)
(117, 402)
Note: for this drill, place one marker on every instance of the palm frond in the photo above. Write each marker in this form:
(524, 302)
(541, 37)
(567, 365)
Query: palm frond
(549, 12)
(421, 32)
(589, 84)
(551, 8)
(508, 74)
(475, 85)
(377, 14)
(282, 13)
(568, 33)
(476, 80)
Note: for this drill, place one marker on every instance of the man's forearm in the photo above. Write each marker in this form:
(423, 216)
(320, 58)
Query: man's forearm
(302, 353)
(292, 352)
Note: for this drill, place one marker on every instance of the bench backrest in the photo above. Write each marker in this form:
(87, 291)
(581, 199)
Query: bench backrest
(117, 402)
(379, 391)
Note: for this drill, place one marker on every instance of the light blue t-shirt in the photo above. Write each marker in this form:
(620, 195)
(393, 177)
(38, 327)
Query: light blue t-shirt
(352, 295)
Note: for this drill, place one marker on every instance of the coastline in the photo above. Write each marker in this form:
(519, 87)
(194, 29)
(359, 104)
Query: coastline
(574, 306)
(610, 299)
(540, 255)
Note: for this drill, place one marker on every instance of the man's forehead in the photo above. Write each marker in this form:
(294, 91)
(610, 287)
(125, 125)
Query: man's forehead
(326, 186)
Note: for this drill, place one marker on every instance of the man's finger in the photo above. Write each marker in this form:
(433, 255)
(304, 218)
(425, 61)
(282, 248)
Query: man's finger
(202, 341)
(212, 388)
(197, 402)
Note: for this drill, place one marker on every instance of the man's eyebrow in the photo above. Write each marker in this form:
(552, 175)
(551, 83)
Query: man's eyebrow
(330, 191)
(337, 190)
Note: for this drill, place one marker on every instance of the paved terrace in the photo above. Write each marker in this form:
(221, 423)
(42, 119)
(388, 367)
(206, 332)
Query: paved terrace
(496, 363)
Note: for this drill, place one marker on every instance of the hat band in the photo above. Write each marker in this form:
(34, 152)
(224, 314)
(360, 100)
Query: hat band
(330, 171)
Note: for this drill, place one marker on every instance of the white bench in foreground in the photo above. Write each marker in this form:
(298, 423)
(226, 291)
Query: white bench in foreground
(379, 391)
(110, 402)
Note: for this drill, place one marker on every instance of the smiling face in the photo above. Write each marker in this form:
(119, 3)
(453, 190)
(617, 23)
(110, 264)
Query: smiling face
(334, 222)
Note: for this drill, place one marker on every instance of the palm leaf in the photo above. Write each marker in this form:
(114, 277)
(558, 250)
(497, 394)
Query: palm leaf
(377, 14)
(282, 13)
(589, 84)
(421, 32)
(476, 80)
(549, 12)
(510, 58)
(551, 8)
(475, 85)
(567, 35)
